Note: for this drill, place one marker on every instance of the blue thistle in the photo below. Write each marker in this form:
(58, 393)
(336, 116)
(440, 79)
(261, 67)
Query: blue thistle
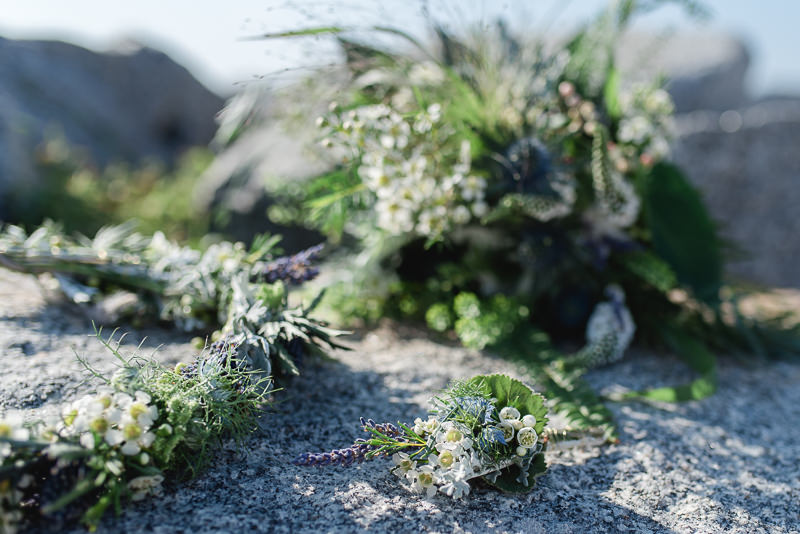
(294, 269)
(528, 167)
(477, 408)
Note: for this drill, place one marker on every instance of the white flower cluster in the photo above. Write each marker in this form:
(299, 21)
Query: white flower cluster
(647, 121)
(116, 418)
(456, 457)
(421, 183)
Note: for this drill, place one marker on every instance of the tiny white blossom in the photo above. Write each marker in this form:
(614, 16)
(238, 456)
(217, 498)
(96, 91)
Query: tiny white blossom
(455, 488)
(508, 430)
(527, 437)
(509, 412)
(424, 480)
(529, 421)
(404, 464)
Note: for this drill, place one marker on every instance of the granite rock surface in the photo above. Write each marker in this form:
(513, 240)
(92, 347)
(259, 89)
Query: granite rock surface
(726, 464)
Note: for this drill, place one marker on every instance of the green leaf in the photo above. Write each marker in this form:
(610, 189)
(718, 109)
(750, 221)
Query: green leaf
(649, 268)
(697, 356)
(682, 231)
(511, 392)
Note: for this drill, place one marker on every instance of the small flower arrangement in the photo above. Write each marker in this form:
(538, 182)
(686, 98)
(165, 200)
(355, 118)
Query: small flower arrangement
(489, 427)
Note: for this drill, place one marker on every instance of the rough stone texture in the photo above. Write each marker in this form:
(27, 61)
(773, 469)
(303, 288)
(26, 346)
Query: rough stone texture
(728, 463)
(745, 163)
(123, 105)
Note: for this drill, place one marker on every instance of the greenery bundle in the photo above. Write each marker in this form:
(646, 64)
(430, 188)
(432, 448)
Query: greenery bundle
(120, 273)
(143, 423)
(517, 192)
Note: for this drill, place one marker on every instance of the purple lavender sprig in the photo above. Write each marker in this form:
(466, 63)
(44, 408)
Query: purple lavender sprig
(294, 269)
(361, 450)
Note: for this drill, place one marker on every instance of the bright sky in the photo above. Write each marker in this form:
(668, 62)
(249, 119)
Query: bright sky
(205, 36)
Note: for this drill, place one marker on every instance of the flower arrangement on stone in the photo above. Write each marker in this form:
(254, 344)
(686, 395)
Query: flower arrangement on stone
(515, 191)
(244, 292)
(488, 427)
(142, 426)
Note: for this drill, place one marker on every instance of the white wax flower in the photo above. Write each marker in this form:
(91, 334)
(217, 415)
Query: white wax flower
(529, 421)
(527, 437)
(509, 412)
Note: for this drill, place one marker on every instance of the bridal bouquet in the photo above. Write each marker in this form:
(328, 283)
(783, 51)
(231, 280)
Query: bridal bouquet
(515, 190)
(490, 428)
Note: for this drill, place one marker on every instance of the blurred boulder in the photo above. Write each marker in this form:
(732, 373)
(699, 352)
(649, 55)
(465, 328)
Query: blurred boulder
(129, 104)
(745, 161)
(265, 142)
(703, 70)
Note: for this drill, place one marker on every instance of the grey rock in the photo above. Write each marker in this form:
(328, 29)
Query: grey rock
(725, 464)
(704, 70)
(745, 163)
(128, 104)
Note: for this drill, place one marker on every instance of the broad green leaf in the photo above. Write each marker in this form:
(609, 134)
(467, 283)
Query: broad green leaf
(511, 392)
(697, 356)
(649, 268)
(682, 231)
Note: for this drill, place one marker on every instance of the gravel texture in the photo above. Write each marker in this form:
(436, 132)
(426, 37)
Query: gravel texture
(726, 464)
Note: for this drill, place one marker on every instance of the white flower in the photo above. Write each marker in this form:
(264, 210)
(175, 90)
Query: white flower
(446, 459)
(424, 480)
(425, 427)
(522, 451)
(455, 488)
(425, 73)
(508, 430)
(404, 464)
(449, 437)
(394, 215)
(472, 188)
(461, 215)
(480, 208)
(634, 129)
(509, 412)
(139, 408)
(529, 421)
(87, 440)
(527, 437)
(11, 428)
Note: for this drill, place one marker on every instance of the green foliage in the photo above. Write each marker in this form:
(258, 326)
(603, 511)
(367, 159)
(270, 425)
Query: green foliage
(439, 318)
(176, 419)
(480, 324)
(511, 392)
(83, 198)
(682, 231)
(650, 269)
